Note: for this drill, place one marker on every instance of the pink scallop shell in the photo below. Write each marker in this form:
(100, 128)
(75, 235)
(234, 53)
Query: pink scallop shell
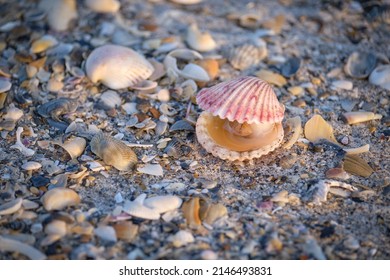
(244, 99)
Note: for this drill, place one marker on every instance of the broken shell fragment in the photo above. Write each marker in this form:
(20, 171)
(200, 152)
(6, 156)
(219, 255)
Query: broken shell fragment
(359, 116)
(59, 13)
(117, 67)
(317, 128)
(137, 209)
(113, 152)
(242, 119)
(75, 147)
(163, 204)
(199, 41)
(103, 6)
(31, 165)
(186, 2)
(357, 166)
(59, 198)
(381, 76)
(360, 64)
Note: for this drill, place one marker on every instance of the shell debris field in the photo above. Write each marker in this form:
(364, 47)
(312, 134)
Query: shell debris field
(194, 129)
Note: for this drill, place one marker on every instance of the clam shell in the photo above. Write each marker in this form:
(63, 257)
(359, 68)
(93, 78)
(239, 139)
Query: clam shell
(360, 64)
(137, 209)
(31, 165)
(117, 67)
(113, 152)
(244, 99)
(199, 41)
(103, 6)
(246, 56)
(381, 76)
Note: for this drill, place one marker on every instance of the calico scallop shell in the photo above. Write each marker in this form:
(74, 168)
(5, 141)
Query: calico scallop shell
(113, 152)
(242, 120)
(117, 67)
(244, 99)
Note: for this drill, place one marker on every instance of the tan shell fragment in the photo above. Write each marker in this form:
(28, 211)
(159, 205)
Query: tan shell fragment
(59, 198)
(117, 67)
(360, 116)
(103, 6)
(357, 166)
(11, 206)
(190, 210)
(113, 152)
(199, 41)
(317, 128)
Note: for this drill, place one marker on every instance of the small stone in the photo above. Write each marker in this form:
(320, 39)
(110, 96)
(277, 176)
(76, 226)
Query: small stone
(208, 255)
(118, 198)
(271, 77)
(296, 90)
(351, 243)
(106, 233)
(343, 84)
(53, 85)
(181, 238)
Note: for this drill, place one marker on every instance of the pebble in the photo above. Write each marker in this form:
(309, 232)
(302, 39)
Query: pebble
(53, 85)
(106, 233)
(208, 255)
(181, 238)
(118, 198)
(296, 90)
(351, 243)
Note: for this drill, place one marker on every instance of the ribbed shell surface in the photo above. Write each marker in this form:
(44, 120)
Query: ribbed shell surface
(117, 67)
(244, 99)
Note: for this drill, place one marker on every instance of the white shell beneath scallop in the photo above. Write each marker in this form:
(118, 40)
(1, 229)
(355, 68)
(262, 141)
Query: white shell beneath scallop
(117, 67)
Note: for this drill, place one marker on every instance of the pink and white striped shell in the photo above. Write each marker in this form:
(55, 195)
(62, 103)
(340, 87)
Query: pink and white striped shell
(244, 99)
(242, 119)
(117, 67)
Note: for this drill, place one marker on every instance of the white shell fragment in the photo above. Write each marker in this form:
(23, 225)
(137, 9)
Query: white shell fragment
(10, 245)
(381, 76)
(117, 67)
(31, 165)
(110, 99)
(181, 238)
(163, 204)
(151, 169)
(59, 13)
(19, 145)
(137, 209)
(320, 190)
(199, 41)
(103, 6)
(343, 84)
(247, 55)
